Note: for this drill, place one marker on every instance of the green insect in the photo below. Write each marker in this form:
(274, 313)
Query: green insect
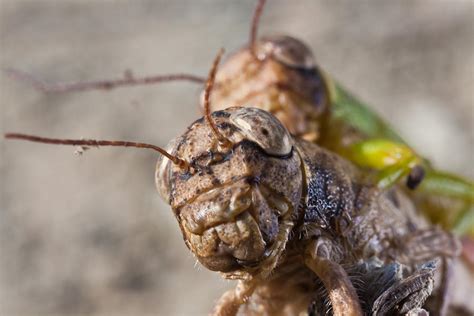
(386, 151)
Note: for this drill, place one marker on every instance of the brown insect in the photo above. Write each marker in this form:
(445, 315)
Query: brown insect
(279, 213)
(216, 134)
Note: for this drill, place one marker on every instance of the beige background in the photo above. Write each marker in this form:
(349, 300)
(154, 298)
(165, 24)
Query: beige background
(89, 235)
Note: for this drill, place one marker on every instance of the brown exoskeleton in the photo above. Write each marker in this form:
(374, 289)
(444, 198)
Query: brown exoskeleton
(278, 212)
(295, 125)
(279, 74)
(300, 227)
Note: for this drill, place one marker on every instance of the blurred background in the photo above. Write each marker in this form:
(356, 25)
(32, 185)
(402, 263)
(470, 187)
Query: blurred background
(89, 235)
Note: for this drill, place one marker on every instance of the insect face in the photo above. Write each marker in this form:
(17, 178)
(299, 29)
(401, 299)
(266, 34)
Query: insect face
(232, 202)
(280, 78)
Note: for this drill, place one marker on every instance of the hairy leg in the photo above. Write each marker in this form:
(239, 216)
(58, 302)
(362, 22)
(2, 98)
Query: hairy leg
(408, 294)
(341, 292)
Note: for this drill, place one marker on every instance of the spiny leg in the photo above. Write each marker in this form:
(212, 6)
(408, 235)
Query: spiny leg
(341, 292)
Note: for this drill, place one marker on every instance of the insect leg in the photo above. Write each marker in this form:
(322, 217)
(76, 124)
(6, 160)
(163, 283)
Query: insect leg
(448, 200)
(392, 160)
(408, 294)
(431, 243)
(341, 292)
(437, 183)
(443, 291)
(230, 302)
(464, 226)
(427, 244)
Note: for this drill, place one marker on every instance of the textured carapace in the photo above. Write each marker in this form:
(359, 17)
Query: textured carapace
(272, 205)
(282, 78)
(232, 202)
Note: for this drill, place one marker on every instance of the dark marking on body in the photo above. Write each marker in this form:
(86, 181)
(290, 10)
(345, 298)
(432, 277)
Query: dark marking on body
(322, 205)
(415, 177)
(222, 113)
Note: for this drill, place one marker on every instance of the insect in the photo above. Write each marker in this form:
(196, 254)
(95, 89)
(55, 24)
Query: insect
(265, 208)
(279, 74)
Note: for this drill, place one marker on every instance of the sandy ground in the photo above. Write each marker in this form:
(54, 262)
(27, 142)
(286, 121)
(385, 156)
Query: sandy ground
(89, 235)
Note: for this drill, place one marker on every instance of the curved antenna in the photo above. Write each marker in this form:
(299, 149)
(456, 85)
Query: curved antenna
(97, 143)
(127, 80)
(207, 94)
(254, 28)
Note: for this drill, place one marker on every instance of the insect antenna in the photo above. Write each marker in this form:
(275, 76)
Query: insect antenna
(207, 104)
(97, 143)
(254, 28)
(127, 80)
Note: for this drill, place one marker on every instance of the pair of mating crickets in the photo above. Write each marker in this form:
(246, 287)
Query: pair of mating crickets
(295, 189)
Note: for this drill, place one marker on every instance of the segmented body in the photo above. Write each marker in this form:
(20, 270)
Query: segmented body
(284, 79)
(251, 212)
(365, 230)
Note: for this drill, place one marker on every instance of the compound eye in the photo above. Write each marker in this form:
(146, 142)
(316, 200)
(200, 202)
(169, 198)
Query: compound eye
(263, 129)
(286, 50)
